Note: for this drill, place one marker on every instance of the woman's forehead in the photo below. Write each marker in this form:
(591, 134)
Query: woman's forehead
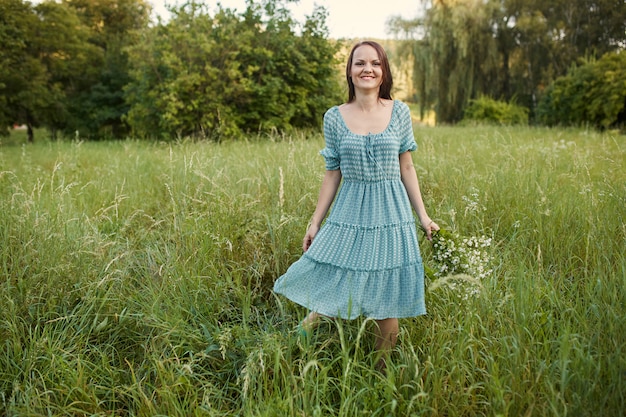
(365, 52)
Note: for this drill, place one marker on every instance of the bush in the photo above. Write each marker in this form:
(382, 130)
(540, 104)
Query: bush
(490, 111)
(593, 93)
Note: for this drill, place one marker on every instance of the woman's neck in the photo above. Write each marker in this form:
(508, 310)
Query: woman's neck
(367, 102)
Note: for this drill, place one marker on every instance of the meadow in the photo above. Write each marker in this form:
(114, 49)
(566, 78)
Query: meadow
(136, 280)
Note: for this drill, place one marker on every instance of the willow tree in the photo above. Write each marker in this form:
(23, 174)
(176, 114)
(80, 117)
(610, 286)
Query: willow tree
(505, 49)
(456, 57)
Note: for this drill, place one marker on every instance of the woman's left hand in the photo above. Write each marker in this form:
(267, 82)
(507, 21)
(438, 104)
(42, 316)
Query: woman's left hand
(429, 226)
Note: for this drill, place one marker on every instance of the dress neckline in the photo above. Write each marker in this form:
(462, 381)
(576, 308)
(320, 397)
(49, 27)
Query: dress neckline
(345, 125)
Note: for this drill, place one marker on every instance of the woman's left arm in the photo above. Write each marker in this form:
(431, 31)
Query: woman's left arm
(412, 186)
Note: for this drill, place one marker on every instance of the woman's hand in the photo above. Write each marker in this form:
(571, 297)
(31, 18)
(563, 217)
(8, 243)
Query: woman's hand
(309, 236)
(429, 226)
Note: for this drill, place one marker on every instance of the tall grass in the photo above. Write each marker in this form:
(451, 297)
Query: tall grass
(136, 280)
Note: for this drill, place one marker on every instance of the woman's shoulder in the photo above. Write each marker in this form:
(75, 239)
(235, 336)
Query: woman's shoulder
(400, 105)
(332, 112)
(333, 117)
(401, 110)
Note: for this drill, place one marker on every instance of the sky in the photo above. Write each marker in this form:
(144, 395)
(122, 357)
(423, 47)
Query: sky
(355, 19)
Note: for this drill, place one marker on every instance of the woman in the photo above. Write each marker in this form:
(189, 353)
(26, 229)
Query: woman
(365, 259)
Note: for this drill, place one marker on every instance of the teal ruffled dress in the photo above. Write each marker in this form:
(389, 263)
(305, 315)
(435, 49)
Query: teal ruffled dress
(365, 259)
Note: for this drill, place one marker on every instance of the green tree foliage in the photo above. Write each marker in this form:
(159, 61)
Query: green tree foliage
(503, 48)
(63, 64)
(544, 38)
(16, 22)
(44, 48)
(593, 93)
(218, 76)
(66, 53)
(96, 99)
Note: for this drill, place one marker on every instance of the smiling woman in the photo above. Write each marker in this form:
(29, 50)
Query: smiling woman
(369, 65)
(364, 259)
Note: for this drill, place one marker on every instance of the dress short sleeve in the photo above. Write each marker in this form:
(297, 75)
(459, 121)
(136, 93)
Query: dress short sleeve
(407, 138)
(330, 152)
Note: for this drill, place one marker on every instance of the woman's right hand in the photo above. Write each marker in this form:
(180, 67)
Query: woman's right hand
(309, 236)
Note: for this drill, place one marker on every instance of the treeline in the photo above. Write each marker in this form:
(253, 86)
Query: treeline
(64, 65)
(513, 51)
(101, 69)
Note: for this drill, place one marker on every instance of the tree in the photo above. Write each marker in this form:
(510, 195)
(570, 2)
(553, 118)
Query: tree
(455, 57)
(218, 76)
(97, 103)
(22, 77)
(184, 77)
(45, 47)
(531, 43)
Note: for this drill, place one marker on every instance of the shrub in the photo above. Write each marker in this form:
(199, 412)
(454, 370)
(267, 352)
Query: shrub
(487, 110)
(593, 93)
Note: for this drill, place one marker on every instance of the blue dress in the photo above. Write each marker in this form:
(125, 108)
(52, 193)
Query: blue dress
(365, 259)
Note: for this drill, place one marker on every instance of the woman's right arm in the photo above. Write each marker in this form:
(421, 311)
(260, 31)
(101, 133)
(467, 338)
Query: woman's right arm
(328, 190)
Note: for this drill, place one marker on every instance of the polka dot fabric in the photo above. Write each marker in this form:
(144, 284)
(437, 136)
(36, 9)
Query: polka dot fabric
(365, 259)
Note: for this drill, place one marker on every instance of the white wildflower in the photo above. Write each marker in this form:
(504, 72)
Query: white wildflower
(466, 257)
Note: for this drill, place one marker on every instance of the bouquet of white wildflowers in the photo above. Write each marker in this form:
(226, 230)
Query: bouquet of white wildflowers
(460, 263)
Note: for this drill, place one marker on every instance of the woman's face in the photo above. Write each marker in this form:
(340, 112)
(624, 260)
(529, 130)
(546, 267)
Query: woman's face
(366, 71)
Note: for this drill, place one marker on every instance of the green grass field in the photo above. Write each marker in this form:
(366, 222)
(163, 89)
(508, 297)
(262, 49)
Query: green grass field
(136, 280)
